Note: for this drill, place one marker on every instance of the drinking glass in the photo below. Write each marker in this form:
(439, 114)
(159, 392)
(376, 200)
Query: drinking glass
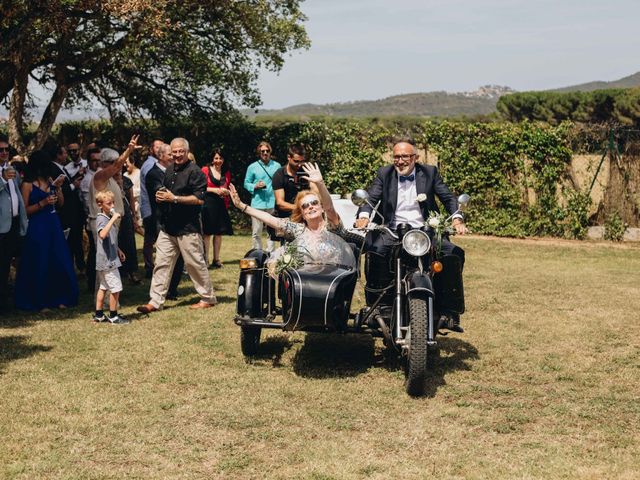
(52, 191)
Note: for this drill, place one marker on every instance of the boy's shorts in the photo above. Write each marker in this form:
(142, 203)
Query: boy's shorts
(109, 280)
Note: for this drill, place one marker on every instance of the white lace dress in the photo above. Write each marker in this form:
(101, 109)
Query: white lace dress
(322, 247)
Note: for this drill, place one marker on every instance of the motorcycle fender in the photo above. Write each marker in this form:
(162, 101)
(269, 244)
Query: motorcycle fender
(253, 287)
(448, 286)
(418, 282)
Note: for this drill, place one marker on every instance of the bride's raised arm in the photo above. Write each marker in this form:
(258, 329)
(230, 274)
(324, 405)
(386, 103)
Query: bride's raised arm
(315, 176)
(274, 222)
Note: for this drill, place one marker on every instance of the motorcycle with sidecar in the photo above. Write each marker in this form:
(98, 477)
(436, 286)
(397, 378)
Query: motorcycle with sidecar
(423, 293)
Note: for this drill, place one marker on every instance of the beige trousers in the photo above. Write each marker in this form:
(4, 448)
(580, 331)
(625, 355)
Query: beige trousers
(192, 249)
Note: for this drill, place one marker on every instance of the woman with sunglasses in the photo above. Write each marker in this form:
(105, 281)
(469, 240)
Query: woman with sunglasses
(313, 224)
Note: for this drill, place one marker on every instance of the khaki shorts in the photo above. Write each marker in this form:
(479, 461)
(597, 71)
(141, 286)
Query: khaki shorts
(109, 280)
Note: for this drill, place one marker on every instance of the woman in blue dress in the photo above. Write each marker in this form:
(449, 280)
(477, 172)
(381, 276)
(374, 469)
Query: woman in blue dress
(45, 277)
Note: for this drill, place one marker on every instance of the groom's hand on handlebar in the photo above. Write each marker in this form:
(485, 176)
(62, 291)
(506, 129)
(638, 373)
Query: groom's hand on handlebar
(361, 222)
(460, 227)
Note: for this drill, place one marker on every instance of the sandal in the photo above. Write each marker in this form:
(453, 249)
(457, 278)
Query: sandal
(216, 264)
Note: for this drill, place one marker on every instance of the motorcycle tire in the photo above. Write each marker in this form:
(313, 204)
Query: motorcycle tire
(416, 363)
(249, 340)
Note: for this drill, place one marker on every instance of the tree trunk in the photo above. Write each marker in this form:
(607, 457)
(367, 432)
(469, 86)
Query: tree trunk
(49, 117)
(16, 110)
(7, 77)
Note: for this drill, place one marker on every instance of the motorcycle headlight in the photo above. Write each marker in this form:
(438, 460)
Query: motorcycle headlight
(416, 243)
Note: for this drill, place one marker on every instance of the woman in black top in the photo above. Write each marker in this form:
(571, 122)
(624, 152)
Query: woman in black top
(215, 217)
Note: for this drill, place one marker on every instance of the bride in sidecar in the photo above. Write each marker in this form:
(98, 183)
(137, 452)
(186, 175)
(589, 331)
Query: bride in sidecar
(313, 229)
(314, 275)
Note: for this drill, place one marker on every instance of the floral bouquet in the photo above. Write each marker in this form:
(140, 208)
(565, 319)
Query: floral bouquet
(287, 256)
(440, 225)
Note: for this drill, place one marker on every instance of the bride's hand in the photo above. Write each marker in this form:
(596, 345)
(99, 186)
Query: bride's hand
(313, 172)
(235, 198)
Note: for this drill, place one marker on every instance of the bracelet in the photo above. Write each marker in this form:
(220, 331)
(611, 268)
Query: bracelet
(245, 208)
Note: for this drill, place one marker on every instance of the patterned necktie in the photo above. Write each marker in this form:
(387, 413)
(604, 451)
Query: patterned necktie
(408, 178)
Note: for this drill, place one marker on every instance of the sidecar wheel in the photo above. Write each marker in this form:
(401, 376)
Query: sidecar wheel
(416, 367)
(249, 340)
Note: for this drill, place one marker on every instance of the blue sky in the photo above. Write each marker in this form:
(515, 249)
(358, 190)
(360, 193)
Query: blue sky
(373, 49)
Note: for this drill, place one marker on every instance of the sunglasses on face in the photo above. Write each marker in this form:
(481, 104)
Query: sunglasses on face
(73, 150)
(265, 151)
(310, 203)
(4, 149)
(404, 158)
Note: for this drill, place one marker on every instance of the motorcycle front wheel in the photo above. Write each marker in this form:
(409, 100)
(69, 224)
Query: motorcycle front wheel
(416, 365)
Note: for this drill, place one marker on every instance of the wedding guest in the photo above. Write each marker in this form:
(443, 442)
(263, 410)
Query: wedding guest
(154, 181)
(145, 207)
(258, 182)
(133, 173)
(181, 230)
(111, 164)
(288, 181)
(45, 277)
(215, 216)
(13, 220)
(72, 214)
(126, 231)
(108, 259)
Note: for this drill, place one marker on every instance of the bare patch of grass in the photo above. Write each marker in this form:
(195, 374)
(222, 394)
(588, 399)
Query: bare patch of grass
(544, 384)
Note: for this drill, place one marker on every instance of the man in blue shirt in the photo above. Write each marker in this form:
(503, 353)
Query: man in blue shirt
(257, 181)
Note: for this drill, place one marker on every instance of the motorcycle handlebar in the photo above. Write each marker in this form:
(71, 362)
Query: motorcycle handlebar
(371, 227)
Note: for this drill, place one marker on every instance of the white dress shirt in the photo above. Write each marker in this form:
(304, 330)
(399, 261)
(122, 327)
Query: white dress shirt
(72, 168)
(13, 192)
(407, 208)
(84, 187)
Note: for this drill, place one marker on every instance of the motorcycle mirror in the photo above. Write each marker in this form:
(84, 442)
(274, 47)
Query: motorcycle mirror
(463, 200)
(360, 197)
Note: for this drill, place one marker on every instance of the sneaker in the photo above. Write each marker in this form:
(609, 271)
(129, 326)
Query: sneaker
(118, 320)
(99, 319)
(216, 264)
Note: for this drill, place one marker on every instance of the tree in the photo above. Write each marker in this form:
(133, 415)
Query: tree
(157, 58)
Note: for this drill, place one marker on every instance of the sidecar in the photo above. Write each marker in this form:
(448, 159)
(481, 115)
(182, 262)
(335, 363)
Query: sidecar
(313, 298)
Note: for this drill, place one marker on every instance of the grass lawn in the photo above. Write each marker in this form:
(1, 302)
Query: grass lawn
(545, 383)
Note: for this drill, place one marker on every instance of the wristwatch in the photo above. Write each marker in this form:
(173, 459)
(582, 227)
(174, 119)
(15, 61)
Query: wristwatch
(175, 199)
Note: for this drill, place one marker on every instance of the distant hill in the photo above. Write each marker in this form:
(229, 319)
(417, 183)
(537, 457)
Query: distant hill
(432, 104)
(626, 82)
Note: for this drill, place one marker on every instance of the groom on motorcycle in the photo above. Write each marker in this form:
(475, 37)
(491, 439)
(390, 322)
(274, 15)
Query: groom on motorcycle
(397, 187)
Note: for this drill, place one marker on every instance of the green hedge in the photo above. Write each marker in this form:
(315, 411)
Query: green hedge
(496, 163)
(620, 106)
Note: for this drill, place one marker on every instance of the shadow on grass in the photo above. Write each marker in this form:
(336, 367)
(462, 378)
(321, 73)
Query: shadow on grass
(21, 318)
(15, 347)
(272, 349)
(454, 354)
(334, 355)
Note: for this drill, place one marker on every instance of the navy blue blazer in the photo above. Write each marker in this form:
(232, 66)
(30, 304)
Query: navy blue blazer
(428, 181)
